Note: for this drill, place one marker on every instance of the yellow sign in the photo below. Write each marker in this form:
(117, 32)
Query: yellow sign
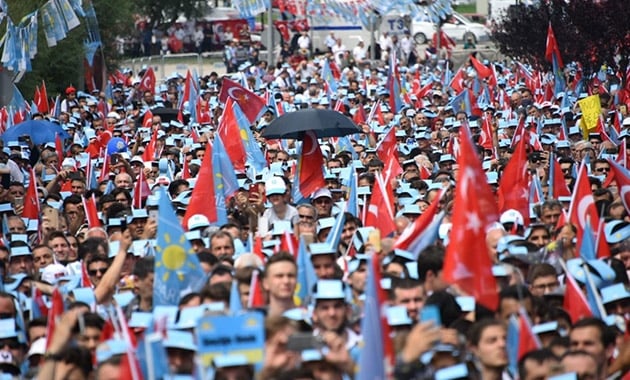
(591, 111)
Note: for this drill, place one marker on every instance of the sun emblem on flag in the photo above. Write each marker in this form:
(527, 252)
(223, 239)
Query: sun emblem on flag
(173, 257)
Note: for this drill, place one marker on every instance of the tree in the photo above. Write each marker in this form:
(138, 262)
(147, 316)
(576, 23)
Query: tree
(62, 65)
(161, 11)
(589, 32)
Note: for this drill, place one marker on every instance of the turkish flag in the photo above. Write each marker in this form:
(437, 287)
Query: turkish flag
(147, 119)
(528, 341)
(54, 313)
(467, 263)
(582, 204)
(486, 137)
(482, 70)
(380, 214)
(283, 29)
(575, 302)
(59, 149)
(310, 166)
(289, 243)
(230, 134)
(43, 106)
(202, 200)
(514, 184)
(560, 188)
(140, 191)
(91, 213)
(147, 83)
(250, 103)
(387, 151)
(413, 232)
(31, 200)
(256, 295)
(622, 177)
(149, 151)
(457, 83)
(359, 116)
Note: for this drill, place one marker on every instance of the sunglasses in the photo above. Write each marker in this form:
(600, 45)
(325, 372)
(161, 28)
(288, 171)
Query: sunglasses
(600, 170)
(11, 343)
(93, 272)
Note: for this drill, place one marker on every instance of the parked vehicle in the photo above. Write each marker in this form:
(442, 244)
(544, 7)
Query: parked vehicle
(457, 27)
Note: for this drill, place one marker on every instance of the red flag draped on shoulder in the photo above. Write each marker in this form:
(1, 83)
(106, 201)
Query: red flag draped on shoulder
(466, 263)
(250, 103)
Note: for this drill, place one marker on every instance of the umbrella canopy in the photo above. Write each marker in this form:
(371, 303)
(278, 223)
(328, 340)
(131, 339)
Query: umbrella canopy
(325, 123)
(167, 114)
(40, 131)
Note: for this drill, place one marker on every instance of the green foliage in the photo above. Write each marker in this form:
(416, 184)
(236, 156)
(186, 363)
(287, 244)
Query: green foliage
(592, 33)
(163, 11)
(62, 65)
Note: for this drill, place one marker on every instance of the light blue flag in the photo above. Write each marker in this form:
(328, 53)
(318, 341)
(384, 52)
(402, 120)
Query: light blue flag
(592, 296)
(225, 182)
(552, 175)
(177, 268)
(306, 277)
(587, 249)
(152, 355)
(513, 338)
(17, 102)
(335, 233)
(255, 156)
(71, 19)
(372, 358)
(352, 205)
(344, 145)
(235, 298)
(328, 77)
(48, 23)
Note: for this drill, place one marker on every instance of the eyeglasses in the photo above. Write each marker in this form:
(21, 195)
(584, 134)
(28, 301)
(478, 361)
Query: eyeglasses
(599, 170)
(11, 343)
(322, 201)
(93, 272)
(309, 217)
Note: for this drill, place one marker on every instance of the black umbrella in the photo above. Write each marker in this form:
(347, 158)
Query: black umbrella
(324, 123)
(166, 114)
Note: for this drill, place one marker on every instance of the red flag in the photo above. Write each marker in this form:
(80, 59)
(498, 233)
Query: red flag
(486, 137)
(43, 106)
(56, 310)
(91, 213)
(149, 151)
(250, 103)
(623, 158)
(147, 119)
(380, 213)
(289, 243)
(446, 42)
(575, 302)
(31, 199)
(466, 262)
(622, 177)
(258, 248)
(552, 47)
(108, 331)
(514, 184)
(38, 297)
(256, 295)
(419, 225)
(230, 134)
(85, 278)
(560, 188)
(310, 166)
(582, 204)
(283, 29)
(359, 116)
(388, 344)
(528, 341)
(185, 170)
(457, 83)
(203, 200)
(482, 70)
(140, 191)
(147, 83)
(59, 149)
(387, 151)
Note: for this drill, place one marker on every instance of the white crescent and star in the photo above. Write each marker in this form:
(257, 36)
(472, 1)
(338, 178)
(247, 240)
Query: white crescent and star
(582, 210)
(232, 93)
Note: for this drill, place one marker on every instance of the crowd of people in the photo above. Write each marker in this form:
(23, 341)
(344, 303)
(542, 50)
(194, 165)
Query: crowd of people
(78, 293)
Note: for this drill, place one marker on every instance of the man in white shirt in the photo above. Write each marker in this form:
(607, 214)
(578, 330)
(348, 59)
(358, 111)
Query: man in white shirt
(359, 53)
(330, 41)
(304, 43)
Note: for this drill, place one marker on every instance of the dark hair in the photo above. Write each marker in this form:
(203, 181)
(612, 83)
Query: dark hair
(96, 258)
(90, 320)
(219, 292)
(540, 270)
(172, 188)
(144, 267)
(450, 311)
(91, 245)
(402, 283)
(205, 256)
(539, 356)
(477, 329)
(606, 334)
(430, 259)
